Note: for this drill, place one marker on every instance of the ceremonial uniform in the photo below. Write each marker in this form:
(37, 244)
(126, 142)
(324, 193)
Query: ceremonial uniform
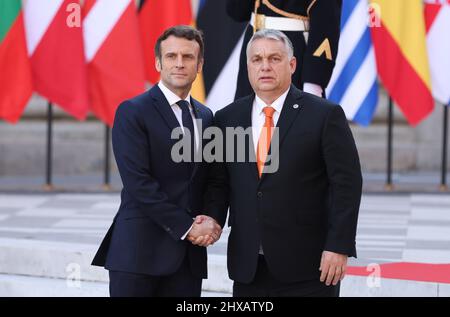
(313, 26)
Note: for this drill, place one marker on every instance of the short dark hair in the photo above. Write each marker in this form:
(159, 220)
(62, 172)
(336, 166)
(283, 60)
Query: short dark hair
(181, 31)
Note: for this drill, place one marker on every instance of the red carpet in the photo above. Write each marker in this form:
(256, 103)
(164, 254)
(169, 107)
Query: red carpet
(437, 273)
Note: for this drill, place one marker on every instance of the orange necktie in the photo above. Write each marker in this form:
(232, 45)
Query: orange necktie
(264, 139)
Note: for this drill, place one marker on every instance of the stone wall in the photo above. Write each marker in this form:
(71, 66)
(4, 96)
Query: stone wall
(79, 146)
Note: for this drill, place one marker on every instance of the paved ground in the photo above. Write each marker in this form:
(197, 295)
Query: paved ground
(392, 228)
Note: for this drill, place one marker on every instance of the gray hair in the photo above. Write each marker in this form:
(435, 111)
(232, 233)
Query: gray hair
(273, 35)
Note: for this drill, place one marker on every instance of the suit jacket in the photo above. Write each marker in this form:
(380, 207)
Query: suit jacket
(325, 17)
(310, 204)
(160, 198)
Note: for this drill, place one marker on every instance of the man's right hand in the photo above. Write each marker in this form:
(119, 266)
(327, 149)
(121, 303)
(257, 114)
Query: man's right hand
(205, 231)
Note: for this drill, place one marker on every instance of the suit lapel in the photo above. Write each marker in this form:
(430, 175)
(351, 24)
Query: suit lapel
(203, 116)
(245, 121)
(291, 108)
(164, 109)
(166, 112)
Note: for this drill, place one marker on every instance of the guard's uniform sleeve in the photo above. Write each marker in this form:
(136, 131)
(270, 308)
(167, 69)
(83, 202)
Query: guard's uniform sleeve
(240, 10)
(322, 47)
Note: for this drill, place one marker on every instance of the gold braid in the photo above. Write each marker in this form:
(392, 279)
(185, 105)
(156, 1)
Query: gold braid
(257, 5)
(310, 7)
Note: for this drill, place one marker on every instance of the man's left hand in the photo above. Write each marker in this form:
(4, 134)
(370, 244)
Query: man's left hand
(333, 267)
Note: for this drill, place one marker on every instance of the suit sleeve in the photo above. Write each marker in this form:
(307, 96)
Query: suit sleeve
(240, 10)
(344, 174)
(325, 19)
(131, 151)
(217, 190)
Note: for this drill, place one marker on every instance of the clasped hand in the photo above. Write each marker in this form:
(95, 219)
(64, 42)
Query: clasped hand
(205, 231)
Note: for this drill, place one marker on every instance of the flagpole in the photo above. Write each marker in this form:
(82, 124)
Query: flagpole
(444, 186)
(107, 175)
(48, 181)
(389, 186)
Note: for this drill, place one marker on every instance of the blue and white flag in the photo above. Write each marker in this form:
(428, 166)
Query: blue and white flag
(437, 15)
(353, 84)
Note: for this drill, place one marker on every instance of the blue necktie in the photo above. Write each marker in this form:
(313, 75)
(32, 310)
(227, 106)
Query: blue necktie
(188, 124)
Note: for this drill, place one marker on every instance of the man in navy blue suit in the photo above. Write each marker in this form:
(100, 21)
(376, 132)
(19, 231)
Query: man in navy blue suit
(147, 249)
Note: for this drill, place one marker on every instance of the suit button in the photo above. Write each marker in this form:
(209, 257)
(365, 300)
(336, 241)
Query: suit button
(259, 194)
(189, 210)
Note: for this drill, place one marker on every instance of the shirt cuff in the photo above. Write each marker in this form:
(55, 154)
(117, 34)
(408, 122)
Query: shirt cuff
(187, 232)
(313, 89)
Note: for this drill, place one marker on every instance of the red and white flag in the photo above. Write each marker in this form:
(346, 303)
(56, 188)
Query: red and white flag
(55, 47)
(114, 55)
(437, 16)
(16, 84)
(155, 16)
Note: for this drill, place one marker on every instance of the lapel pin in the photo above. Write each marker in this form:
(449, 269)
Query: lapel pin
(295, 106)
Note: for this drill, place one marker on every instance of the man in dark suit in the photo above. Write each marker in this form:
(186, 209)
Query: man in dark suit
(146, 250)
(293, 209)
(313, 26)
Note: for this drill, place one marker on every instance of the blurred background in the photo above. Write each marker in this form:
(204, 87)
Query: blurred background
(66, 65)
(107, 56)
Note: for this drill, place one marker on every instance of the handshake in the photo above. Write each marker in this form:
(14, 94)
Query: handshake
(205, 231)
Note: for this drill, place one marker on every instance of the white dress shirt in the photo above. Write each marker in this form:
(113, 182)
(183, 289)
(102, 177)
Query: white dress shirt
(172, 99)
(258, 116)
(313, 89)
(258, 119)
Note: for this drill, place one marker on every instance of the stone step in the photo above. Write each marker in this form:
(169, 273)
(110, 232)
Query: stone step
(71, 262)
(30, 286)
(43, 268)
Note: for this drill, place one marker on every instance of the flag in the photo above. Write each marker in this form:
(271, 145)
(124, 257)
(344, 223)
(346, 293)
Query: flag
(55, 47)
(155, 16)
(437, 17)
(114, 55)
(15, 80)
(353, 84)
(223, 42)
(401, 55)
(198, 86)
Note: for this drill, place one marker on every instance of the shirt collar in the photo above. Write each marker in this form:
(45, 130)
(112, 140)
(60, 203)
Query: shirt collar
(277, 104)
(171, 97)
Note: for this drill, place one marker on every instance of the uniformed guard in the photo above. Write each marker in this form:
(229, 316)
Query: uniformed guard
(313, 26)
